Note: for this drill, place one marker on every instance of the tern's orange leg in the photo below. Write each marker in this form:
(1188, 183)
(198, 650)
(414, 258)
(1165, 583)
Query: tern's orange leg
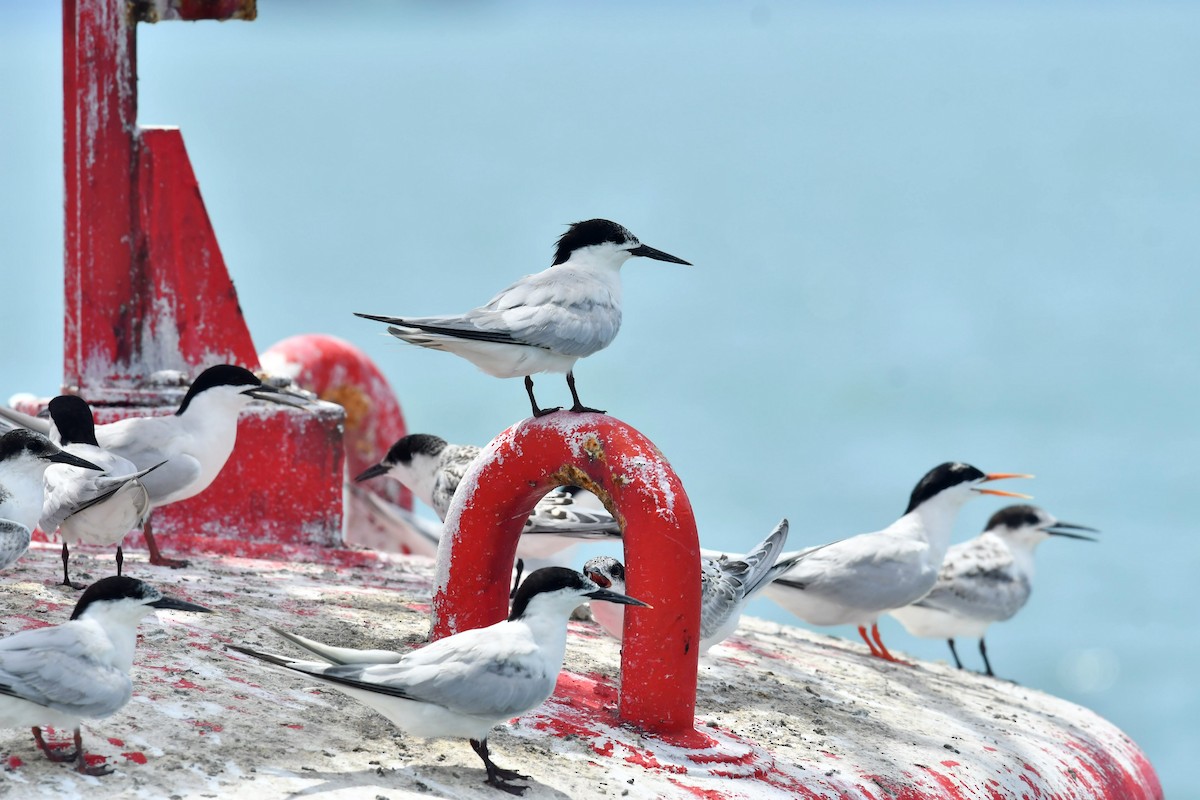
(883, 651)
(862, 631)
(156, 556)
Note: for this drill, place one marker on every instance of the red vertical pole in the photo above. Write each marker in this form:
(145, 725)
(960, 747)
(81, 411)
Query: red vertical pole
(99, 120)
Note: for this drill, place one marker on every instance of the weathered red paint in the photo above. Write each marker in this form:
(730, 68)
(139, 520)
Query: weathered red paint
(339, 372)
(194, 10)
(147, 290)
(99, 120)
(662, 556)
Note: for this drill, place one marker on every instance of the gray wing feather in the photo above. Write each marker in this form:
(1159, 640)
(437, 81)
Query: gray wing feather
(462, 673)
(562, 310)
(52, 667)
(558, 513)
(456, 459)
(979, 580)
(860, 573)
(19, 420)
(485, 686)
(339, 655)
(14, 541)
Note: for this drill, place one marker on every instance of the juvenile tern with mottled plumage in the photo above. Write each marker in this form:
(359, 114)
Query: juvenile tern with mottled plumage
(727, 584)
(543, 322)
(987, 579)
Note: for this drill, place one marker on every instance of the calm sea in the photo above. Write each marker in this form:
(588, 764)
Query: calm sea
(921, 232)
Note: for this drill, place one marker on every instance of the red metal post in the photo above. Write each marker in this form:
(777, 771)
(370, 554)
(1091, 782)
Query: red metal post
(147, 291)
(99, 121)
(662, 552)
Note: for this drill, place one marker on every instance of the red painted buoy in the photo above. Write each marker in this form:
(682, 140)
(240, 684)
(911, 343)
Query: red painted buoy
(338, 372)
(662, 554)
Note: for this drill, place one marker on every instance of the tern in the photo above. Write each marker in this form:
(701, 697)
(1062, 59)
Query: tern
(80, 504)
(727, 584)
(78, 670)
(195, 442)
(24, 457)
(432, 469)
(987, 579)
(464, 685)
(855, 580)
(543, 322)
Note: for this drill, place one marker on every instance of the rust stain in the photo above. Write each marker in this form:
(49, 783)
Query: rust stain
(353, 399)
(571, 475)
(594, 449)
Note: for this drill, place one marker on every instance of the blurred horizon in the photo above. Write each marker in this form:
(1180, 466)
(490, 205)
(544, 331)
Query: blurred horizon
(921, 232)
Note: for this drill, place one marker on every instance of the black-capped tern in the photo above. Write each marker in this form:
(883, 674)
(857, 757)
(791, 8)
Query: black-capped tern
(81, 504)
(987, 579)
(543, 322)
(855, 580)
(80, 669)
(464, 685)
(195, 441)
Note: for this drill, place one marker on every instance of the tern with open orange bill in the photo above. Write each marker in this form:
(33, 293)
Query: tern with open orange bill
(856, 580)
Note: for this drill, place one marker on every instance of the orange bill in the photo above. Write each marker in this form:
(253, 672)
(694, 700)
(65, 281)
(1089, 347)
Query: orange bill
(1003, 493)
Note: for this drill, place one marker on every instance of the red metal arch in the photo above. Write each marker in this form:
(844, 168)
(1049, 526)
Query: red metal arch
(662, 553)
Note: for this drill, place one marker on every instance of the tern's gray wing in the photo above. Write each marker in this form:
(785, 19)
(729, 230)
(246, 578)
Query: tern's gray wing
(419, 535)
(727, 582)
(761, 561)
(14, 541)
(70, 490)
(454, 462)
(722, 589)
(496, 671)
(563, 310)
(60, 668)
(868, 571)
(476, 673)
(558, 513)
(979, 580)
(339, 655)
(17, 419)
(146, 441)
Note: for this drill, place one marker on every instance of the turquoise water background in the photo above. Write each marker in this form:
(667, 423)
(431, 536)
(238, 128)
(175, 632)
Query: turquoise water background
(921, 232)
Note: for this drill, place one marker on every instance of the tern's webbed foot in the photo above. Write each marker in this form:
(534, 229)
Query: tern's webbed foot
(73, 585)
(582, 409)
(84, 768)
(505, 786)
(541, 412)
(497, 776)
(173, 563)
(509, 774)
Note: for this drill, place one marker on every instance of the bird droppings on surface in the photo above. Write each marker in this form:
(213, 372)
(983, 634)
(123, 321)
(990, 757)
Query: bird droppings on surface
(783, 713)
